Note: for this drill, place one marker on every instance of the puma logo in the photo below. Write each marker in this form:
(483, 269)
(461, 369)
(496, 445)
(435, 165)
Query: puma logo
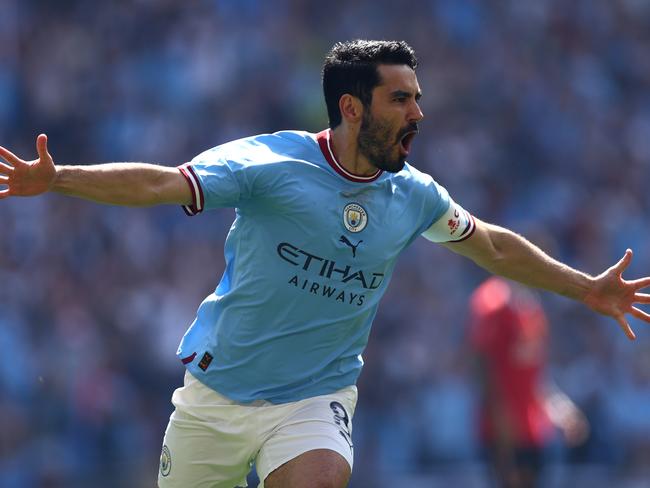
(345, 241)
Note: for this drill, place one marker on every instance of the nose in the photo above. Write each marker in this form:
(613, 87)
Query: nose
(415, 115)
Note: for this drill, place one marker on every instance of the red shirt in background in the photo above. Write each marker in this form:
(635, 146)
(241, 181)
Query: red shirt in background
(508, 330)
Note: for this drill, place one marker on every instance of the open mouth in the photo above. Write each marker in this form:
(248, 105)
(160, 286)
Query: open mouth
(406, 140)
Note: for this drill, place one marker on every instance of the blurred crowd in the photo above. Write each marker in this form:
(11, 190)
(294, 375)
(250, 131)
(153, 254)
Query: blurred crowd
(537, 117)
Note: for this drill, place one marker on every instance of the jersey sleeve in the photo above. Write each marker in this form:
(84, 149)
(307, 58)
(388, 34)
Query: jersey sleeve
(215, 180)
(453, 225)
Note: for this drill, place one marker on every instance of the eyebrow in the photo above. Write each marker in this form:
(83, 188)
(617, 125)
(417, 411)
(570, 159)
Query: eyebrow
(402, 93)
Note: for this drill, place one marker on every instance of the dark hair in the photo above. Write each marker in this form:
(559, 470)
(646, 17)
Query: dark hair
(351, 67)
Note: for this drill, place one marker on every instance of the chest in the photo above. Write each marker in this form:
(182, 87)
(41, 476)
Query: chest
(357, 223)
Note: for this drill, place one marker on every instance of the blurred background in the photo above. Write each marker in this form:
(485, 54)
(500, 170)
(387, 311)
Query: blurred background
(537, 117)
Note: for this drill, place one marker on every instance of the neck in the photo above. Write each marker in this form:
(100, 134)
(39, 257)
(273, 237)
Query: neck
(344, 145)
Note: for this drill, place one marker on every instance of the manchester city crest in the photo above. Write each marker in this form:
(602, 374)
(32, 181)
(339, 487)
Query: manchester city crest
(355, 217)
(165, 461)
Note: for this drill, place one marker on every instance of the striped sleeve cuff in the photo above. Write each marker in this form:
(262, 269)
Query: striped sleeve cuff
(198, 201)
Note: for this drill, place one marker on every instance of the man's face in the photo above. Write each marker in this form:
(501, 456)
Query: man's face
(390, 123)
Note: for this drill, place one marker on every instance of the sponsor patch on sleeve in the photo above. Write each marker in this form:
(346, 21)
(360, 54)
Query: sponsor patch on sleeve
(456, 224)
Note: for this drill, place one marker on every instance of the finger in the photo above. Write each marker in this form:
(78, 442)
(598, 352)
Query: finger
(41, 147)
(642, 298)
(4, 194)
(640, 314)
(626, 327)
(624, 262)
(5, 168)
(8, 156)
(640, 283)
(3, 179)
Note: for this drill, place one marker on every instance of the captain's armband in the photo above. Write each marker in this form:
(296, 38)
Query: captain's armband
(456, 224)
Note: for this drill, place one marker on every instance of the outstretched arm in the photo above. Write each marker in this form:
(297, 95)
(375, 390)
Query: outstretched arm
(131, 184)
(507, 254)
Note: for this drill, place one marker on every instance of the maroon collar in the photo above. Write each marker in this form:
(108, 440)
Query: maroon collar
(324, 139)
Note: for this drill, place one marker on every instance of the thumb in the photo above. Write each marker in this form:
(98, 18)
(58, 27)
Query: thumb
(41, 147)
(624, 262)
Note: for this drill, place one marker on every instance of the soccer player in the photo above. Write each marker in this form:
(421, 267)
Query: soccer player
(520, 407)
(274, 353)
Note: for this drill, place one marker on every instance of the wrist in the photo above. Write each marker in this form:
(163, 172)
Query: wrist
(587, 293)
(58, 180)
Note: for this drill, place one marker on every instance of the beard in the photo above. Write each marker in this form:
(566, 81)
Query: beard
(377, 144)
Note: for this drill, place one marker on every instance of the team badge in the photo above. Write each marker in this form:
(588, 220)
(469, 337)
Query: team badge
(355, 217)
(165, 461)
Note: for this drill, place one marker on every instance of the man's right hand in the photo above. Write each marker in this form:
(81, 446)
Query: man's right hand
(129, 184)
(27, 178)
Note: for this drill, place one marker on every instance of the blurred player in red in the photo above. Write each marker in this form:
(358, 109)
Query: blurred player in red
(520, 407)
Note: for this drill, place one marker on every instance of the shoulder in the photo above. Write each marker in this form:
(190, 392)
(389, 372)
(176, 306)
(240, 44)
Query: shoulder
(282, 140)
(414, 175)
(417, 181)
(263, 148)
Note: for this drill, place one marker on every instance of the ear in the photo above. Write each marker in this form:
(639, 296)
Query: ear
(351, 108)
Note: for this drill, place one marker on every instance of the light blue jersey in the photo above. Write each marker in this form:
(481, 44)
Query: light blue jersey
(308, 257)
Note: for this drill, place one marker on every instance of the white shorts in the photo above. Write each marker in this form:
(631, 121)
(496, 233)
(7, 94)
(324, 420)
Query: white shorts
(212, 442)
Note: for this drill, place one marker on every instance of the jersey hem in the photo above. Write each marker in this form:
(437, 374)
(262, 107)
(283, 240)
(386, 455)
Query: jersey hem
(278, 399)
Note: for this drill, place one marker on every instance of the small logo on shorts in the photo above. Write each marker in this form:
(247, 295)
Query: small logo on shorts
(165, 461)
(355, 217)
(205, 361)
(342, 419)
